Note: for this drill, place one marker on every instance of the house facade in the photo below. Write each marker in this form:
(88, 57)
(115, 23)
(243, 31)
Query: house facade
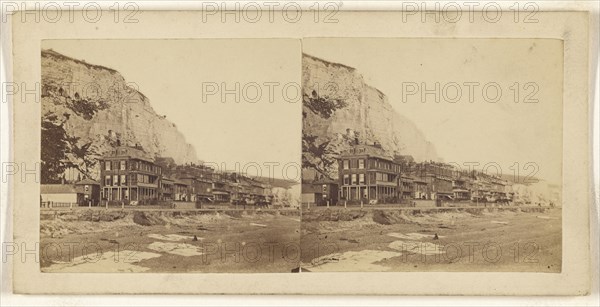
(367, 173)
(129, 174)
(60, 195)
(180, 191)
(167, 191)
(90, 191)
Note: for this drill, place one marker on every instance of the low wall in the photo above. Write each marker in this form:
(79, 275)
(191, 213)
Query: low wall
(184, 205)
(462, 203)
(424, 203)
(433, 209)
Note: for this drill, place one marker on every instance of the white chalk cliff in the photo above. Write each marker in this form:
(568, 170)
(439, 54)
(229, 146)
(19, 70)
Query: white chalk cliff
(97, 106)
(339, 107)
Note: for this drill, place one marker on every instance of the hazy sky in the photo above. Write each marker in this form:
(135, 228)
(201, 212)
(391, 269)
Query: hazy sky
(174, 74)
(504, 132)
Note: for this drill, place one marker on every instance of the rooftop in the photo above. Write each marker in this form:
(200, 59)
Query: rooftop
(57, 188)
(368, 150)
(178, 182)
(309, 188)
(88, 182)
(130, 152)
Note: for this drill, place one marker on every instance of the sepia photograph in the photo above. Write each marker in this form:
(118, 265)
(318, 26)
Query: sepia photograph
(320, 151)
(170, 156)
(432, 154)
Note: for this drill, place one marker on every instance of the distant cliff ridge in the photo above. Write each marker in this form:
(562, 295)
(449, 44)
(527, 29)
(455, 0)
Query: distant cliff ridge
(87, 109)
(339, 108)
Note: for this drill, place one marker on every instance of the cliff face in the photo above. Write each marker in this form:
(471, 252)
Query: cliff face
(338, 107)
(95, 107)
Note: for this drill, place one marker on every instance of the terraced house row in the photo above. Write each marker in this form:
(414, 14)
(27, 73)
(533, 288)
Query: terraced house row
(128, 174)
(368, 174)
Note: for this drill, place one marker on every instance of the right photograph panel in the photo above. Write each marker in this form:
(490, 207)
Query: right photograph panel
(432, 155)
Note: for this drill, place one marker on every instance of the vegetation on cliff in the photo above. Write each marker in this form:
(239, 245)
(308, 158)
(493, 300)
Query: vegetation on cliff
(89, 109)
(340, 109)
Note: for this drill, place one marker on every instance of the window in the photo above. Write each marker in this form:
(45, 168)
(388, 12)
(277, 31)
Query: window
(116, 180)
(86, 188)
(361, 163)
(346, 179)
(361, 178)
(353, 178)
(123, 179)
(123, 165)
(107, 180)
(107, 165)
(346, 166)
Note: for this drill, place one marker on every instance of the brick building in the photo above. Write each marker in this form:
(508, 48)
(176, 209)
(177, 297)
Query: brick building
(367, 173)
(129, 174)
(90, 191)
(167, 191)
(198, 189)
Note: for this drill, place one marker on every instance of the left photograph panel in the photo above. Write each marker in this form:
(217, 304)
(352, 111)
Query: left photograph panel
(170, 155)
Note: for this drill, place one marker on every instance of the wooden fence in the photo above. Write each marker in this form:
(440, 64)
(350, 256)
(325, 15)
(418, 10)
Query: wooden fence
(56, 204)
